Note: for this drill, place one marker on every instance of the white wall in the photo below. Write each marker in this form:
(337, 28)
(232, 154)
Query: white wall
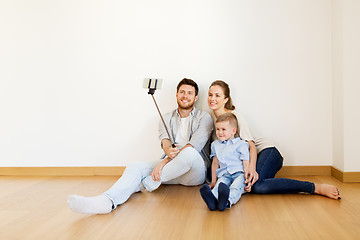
(351, 85)
(346, 77)
(338, 92)
(338, 88)
(71, 75)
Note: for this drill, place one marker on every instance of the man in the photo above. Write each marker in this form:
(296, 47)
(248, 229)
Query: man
(185, 164)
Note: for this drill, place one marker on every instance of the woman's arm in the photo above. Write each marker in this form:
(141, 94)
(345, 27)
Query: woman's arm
(251, 175)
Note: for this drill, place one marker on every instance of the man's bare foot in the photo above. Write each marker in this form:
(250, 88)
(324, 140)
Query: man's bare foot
(327, 190)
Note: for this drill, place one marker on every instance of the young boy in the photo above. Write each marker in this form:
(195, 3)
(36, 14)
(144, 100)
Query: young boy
(230, 160)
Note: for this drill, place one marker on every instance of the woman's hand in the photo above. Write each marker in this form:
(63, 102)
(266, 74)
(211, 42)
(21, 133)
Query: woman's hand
(156, 173)
(251, 176)
(248, 187)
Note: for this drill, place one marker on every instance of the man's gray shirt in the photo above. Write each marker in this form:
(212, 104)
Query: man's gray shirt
(201, 126)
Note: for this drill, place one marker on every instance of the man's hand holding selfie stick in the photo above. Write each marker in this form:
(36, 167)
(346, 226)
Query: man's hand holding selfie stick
(168, 145)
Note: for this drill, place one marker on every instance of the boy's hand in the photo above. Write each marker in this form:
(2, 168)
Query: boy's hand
(212, 185)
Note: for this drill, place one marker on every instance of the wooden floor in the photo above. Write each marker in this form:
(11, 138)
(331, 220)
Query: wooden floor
(35, 208)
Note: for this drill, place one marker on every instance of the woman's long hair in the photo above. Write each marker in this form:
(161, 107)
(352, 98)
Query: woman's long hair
(226, 90)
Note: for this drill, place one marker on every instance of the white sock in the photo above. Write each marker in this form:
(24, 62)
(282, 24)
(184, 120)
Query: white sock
(100, 204)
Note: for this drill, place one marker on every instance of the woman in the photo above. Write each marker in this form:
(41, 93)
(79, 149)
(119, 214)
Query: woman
(265, 159)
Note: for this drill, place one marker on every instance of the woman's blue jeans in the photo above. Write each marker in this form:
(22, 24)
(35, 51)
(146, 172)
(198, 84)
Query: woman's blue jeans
(269, 162)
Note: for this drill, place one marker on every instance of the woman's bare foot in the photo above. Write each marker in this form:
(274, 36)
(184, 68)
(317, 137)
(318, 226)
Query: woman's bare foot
(327, 190)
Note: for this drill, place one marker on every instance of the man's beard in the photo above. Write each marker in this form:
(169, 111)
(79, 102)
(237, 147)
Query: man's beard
(187, 107)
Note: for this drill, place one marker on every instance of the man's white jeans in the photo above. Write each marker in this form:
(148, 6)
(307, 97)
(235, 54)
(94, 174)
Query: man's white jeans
(188, 168)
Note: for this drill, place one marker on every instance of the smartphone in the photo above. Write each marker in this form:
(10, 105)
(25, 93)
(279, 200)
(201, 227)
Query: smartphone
(152, 83)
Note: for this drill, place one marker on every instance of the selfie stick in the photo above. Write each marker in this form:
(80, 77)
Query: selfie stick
(153, 84)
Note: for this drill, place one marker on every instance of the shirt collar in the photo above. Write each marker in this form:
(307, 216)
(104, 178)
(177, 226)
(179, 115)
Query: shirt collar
(232, 141)
(192, 113)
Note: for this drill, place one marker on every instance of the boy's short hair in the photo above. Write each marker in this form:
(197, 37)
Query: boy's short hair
(188, 81)
(228, 117)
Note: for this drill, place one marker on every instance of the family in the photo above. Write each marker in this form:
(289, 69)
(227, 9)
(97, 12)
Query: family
(239, 161)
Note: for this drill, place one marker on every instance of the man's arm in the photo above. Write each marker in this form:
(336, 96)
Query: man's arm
(168, 149)
(198, 140)
(202, 134)
(171, 153)
(166, 143)
(155, 174)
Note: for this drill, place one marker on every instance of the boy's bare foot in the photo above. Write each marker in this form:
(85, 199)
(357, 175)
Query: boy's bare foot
(327, 190)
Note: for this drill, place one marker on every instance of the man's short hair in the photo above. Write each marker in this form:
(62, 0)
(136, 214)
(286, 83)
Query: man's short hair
(228, 117)
(188, 81)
